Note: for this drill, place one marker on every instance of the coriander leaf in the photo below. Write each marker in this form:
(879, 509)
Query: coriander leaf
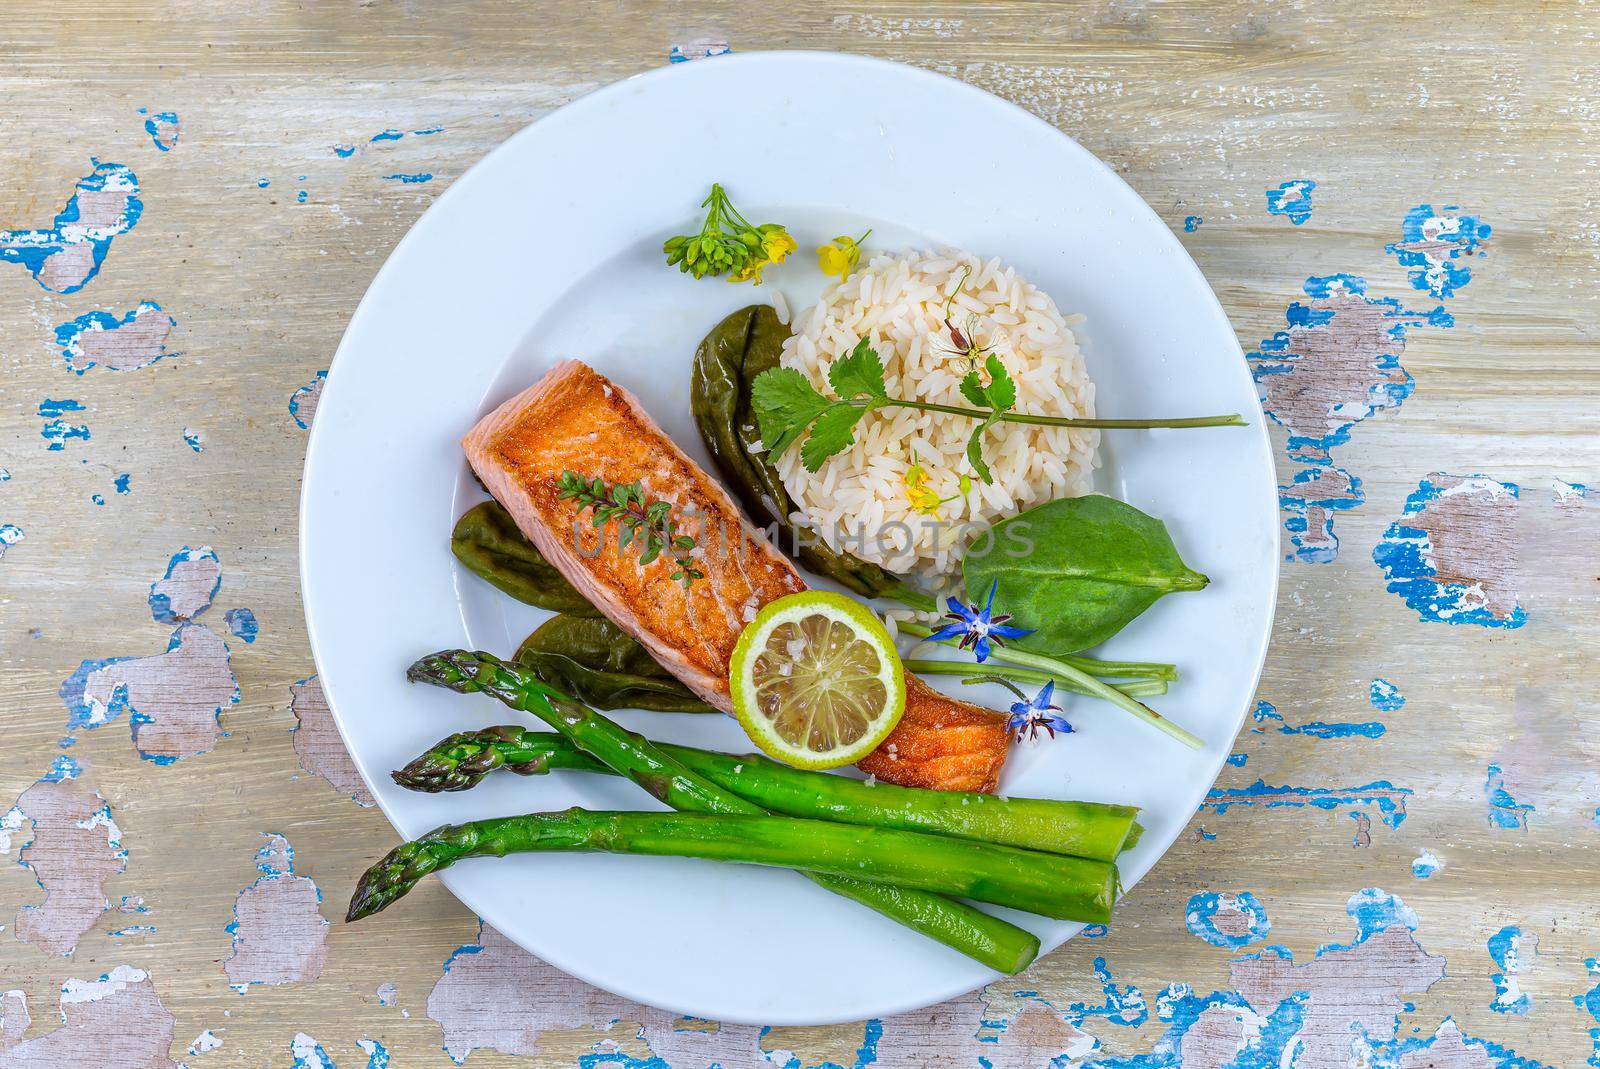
(972, 390)
(834, 432)
(1002, 388)
(1001, 392)
(975, 447)
(785, 404)
(859, 373)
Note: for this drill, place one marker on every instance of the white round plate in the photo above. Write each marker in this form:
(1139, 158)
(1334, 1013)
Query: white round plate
(550, 248)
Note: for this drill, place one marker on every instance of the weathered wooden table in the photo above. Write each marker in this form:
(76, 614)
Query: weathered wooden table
(1397, 205)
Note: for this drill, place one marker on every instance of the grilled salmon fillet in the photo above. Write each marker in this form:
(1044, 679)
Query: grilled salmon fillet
(575, 419)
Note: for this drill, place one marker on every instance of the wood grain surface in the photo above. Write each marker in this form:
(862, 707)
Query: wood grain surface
(1396, 203)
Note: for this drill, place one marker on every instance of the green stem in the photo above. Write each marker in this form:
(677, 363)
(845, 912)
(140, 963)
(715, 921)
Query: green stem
(1123, 669)
(1092, 686)
(1231, 420)
(913, 598)
(990, 940)
(1135, 688)
(1081, 829)
(1065, 888)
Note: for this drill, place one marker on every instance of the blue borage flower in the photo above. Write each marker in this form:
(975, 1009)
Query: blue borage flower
(1029, 717)
(978, 628)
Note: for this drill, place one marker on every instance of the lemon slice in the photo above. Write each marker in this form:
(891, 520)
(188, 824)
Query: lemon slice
(816, 681)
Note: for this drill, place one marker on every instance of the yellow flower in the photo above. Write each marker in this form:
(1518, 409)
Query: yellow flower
(770, 244)
(840, 257)
(776, 243)
(919, 495)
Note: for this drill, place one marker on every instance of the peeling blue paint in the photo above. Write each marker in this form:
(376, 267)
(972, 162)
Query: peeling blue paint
(1405, 555)
(132, 930)
(1093, 931)
(10, 535)
(697, 50)
(1238, 760)
(1265, 711)
(410, 179)
(1372, 329)
(305, 394)
(1374, 909)
(242, 624)
(1271, 1039)
(34, 248)
(161, 603)
(1506, 949)
(1504, 810)
(1432, 244)
(1424, 1053)
(56, 430)
(121, 483)
(1389, 799)
(1277, 357)
(1426, 865)
(1293, 199)
(82, 714)
(1589, 1002)
(308, 1053)
(1385, 697)
(162, 128)
(377, 1054)
(866, 1054)
(194, 439)
(1123, 1004)
(70, 335)
(1305, 494)
(344, 152)
(1191, 223)
(301, 196)
(62, 768)
(1241, 908)
(388, 135)
(263, 183)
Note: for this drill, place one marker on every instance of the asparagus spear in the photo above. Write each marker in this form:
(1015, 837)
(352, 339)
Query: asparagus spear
(1067, 888)
(990, 940)
(1081, 829)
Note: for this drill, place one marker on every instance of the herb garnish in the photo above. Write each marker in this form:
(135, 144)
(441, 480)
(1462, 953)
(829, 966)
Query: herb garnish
(840, 256)
(638, 519)
(1029, 716)
(787, 406)
(728, 243)
(978, 628)
(964, 344)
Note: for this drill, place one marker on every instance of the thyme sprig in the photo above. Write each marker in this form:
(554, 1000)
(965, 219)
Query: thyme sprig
(649, 523)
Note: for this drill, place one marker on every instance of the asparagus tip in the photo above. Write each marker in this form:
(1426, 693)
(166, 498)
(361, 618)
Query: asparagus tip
(447, 668)
(460, 762)
(388, 881)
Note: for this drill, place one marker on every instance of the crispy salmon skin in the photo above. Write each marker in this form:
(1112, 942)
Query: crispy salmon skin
(576, 420)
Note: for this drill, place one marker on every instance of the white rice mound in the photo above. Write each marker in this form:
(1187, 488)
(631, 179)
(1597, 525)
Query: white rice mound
(898, 302)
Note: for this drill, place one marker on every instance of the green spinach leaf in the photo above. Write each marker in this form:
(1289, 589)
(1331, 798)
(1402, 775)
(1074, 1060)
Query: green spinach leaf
(597, 662)
(1077, 570)
(727, 362)
(487, 541)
